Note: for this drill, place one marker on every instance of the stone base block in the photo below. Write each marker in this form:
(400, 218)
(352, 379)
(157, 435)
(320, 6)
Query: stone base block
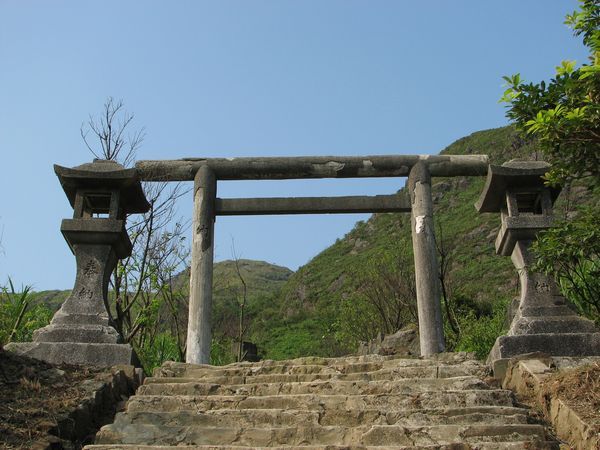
(559, 344)
(545, 311)
(552, 325)
(93, 334)
(87, 354)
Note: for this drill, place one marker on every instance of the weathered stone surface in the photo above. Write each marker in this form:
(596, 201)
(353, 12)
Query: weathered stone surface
(541, 319)
(201, 268)
(389, 402)
(347, 418)
(285, 168)
(571, 344)
(187, 387)
(553, 324)
(377, 402)
(375, 435)
(80, 332)
(454, 446)
(512, 174)
(87, 354)
(526, 376)
(431, 327)
(107, 175)
(432, 371)
(404, 342)
(104, 399)
(85, 304)
(316, 364)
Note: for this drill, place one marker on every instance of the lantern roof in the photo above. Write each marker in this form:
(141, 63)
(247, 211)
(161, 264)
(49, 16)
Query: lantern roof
(104, 174)
(512, 175)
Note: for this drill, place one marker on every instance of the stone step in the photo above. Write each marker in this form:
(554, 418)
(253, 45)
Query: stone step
(318, 435)
(190, 386)
(389, 402)
(553, 324)
(351, 403)
(563, 344)
(529, 445)
(336, 417)
(434, 371)
(311, 365)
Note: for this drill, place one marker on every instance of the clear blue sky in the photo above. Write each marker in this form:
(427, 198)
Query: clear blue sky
(250, 78)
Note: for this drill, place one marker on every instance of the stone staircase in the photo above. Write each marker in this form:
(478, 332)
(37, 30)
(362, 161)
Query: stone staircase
(373, 401)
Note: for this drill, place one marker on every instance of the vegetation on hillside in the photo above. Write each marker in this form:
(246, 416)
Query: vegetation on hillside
(20, 316)
(264, 282)
(329, 304)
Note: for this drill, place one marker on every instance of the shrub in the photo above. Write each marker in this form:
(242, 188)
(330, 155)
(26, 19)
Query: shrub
(478, 334)
(570, 253)
(18, 316)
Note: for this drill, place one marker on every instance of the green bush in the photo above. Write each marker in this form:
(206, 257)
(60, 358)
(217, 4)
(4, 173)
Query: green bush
(570, 252)
(478, 333)
(19, 318)
(155, 352)
(221, 351)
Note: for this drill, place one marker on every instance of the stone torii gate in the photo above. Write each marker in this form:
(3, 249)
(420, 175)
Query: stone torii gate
(206, 172)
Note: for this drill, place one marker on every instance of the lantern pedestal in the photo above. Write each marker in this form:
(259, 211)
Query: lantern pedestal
(541, 319)
(80, 332)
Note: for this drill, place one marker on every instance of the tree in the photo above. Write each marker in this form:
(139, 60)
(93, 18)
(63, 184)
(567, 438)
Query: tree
(242, 301)
(110, 132)
(383, 299)
(233, 299)
(145, 302)
(564, 116)
(446, 248)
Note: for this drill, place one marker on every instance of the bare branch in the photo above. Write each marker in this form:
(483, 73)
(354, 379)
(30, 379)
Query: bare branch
(111, 131)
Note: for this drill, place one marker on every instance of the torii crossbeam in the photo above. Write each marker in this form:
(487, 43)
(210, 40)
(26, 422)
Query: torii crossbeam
(207, 171)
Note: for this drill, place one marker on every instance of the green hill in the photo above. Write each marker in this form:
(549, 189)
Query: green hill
(335, 300)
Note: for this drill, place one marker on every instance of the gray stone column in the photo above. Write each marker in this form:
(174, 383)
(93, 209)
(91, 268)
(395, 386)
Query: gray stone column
(431, 328)
(84, 312)
(539, 299)
(201, 271)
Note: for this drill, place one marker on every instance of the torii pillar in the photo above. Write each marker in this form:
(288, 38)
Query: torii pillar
(199, 334)
(431, 327)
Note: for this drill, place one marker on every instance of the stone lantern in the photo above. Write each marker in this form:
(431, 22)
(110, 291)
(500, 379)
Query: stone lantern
(102, 193)
(542, 320)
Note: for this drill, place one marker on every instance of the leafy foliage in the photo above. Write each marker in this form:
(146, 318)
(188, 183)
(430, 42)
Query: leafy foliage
(571, 253)
(164, 347)
(564, 116)
(479, 332)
